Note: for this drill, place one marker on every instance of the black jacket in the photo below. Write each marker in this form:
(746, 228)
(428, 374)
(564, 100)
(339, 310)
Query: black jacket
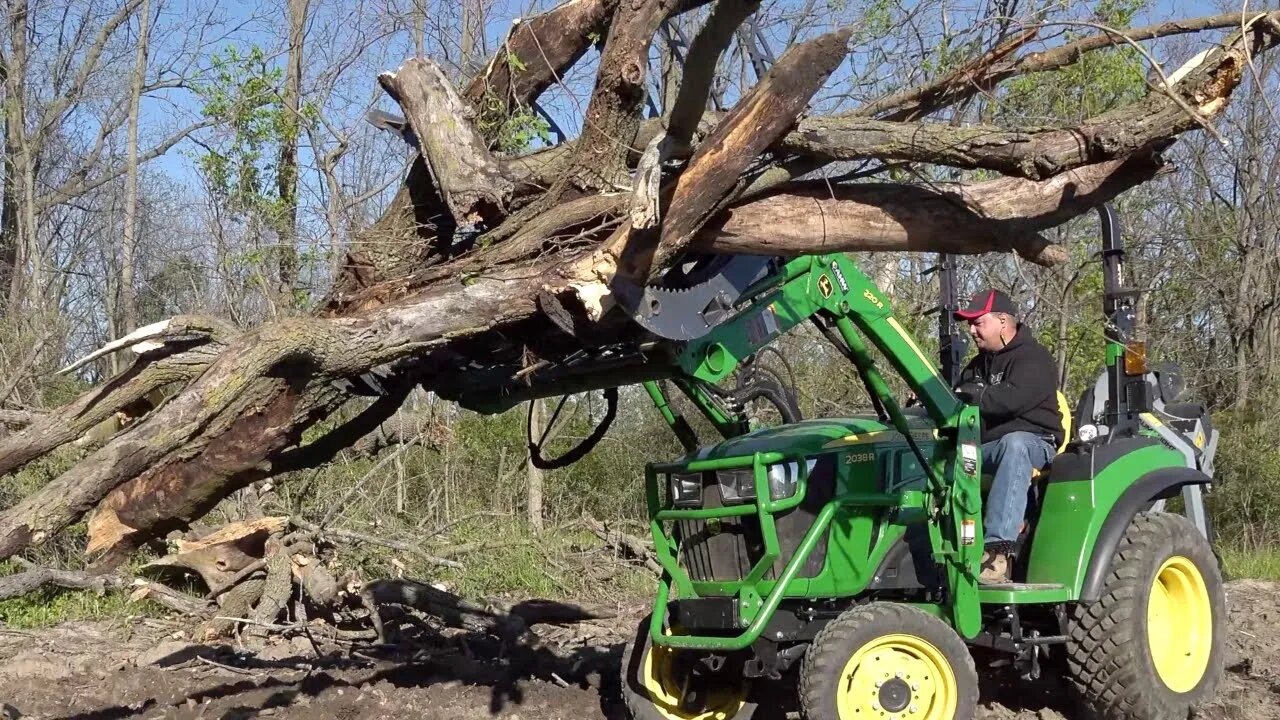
(1018, 392)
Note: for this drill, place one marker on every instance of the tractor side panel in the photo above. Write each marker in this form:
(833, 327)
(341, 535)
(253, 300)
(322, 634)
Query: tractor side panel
(1077, 498)
(857, 536)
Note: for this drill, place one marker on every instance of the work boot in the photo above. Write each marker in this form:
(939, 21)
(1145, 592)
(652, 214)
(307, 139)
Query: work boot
(995, 564)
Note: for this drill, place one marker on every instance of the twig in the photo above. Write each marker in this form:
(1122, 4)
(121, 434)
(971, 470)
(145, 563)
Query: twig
(353, 536)
(630, 545)
(241, 671)
(338, 506)
(35, 577)
(1165, 86)
(440, 529)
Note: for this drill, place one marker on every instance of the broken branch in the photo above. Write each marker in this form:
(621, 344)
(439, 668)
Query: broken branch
(471, 181)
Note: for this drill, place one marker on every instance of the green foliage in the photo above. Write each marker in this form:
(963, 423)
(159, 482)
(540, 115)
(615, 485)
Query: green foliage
(52, 606)
(1098, 82)
(512, 132)
(58, 390)
(1247, 491)
(877, 20)
(947, 55)
(514, 63)
(35, 475)
(243, 95)
(520, 563)
(1259, 563)
(242, 165)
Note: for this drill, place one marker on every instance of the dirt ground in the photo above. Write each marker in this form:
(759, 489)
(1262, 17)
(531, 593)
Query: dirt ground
(140, 669)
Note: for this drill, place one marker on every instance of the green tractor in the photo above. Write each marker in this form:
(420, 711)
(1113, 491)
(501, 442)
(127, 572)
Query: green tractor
(840, 556)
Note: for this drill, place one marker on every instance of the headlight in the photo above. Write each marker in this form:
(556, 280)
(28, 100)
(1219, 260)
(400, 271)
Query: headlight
(737, 485)
(784, 478)
(686, 489)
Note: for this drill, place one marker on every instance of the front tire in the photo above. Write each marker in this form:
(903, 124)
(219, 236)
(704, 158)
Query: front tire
(657, 685)
(883, 660)
(1152, 647)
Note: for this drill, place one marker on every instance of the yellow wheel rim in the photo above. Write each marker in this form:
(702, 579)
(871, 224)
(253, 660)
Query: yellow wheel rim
(1180, 624)
(897, 676)
(666, 689)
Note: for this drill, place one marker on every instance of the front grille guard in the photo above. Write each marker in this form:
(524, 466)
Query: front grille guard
(753, 611)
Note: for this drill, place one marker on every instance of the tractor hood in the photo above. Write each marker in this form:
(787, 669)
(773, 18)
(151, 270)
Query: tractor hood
(811, 437)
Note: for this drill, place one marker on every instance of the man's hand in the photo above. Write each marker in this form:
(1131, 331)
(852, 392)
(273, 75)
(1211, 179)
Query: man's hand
(970, 392)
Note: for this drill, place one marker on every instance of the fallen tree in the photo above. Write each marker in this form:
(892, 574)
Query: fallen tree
(482, 261)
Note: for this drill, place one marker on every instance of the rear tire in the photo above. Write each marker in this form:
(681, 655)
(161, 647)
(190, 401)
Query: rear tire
(884, 660)
(652, 685)
(1152, 647)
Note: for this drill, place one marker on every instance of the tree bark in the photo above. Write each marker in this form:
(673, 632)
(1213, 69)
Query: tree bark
(22, 583)
(287, 168)
(235, 606)
(277, 588)
(753, 125)
(471, 181)
(535, 475)
(198, 341)
(535, 55)
(264, 390)
(1004, 215)
(600, 155)
(13, 229)
(129, 246)
(704, 54)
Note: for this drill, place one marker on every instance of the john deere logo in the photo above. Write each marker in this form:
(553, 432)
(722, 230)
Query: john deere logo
(713, 526)
(824, 286)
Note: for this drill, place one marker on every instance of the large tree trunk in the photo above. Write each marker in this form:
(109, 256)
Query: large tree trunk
(538, 279)
(13, 230)
(129, 243)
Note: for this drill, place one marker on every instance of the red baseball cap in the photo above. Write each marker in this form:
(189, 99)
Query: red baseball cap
(986, 301)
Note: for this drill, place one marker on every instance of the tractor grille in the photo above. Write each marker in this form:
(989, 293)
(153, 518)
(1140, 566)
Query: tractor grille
(725, 550)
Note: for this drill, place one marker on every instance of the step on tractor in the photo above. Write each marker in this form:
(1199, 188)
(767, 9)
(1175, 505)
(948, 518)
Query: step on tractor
(831, 565)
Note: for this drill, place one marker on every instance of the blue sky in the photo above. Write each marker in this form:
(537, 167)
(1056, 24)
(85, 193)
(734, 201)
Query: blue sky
(264, 28)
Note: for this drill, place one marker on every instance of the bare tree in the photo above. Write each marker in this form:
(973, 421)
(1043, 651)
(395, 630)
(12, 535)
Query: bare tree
(536, 477)
(287, 171)
(129, 247)
(79, 70)
(15, 239)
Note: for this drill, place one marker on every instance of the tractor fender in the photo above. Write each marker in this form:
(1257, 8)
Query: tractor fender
(1157, 484)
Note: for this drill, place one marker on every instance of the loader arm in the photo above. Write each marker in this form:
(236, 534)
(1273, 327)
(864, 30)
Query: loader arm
(832, 290)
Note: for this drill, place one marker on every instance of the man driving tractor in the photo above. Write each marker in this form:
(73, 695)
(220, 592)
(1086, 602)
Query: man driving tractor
(1011, 380)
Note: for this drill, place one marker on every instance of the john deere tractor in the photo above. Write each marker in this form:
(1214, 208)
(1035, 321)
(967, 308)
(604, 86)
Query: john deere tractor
(834, 562)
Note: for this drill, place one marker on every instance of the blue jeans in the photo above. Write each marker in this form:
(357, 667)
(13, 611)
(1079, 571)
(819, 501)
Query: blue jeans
(1011, 458)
